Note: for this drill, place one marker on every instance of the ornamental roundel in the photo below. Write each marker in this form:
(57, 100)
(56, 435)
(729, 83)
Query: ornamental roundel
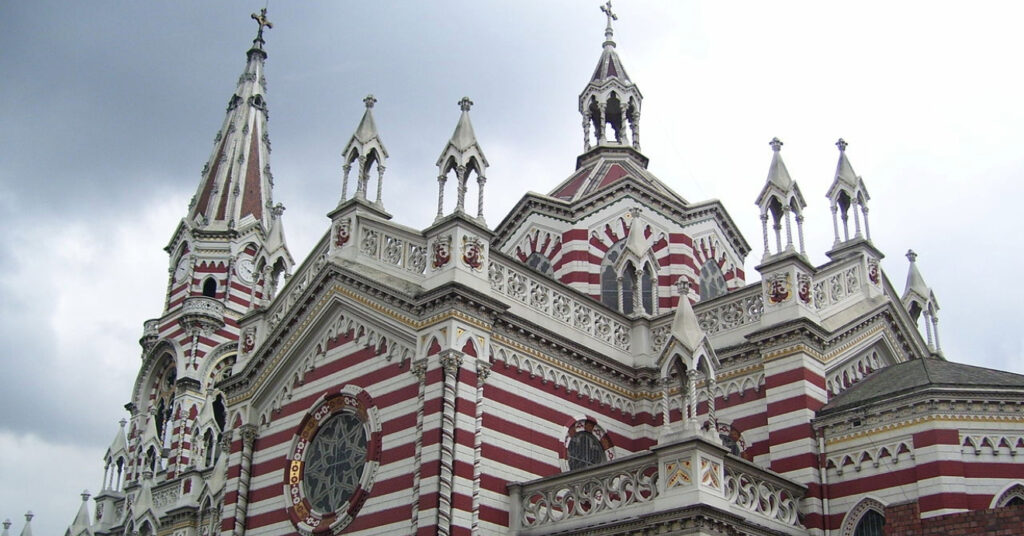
(332, 462)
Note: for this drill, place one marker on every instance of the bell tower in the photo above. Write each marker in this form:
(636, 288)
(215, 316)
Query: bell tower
(226, 256)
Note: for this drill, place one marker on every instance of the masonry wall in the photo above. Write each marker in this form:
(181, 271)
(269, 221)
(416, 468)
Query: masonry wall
(905, 520)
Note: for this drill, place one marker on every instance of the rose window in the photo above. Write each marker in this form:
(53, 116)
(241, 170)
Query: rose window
(334, 462)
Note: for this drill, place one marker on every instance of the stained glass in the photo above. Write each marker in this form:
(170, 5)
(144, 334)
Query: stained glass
(334, 462)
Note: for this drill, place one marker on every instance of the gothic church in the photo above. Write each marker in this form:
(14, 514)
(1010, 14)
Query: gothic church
(596, 363)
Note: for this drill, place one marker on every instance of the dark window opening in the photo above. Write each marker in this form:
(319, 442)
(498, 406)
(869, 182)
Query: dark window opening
(584, 450)
(210, 288)
(871, 524)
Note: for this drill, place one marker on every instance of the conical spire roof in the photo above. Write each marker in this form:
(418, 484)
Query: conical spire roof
(636, 243)
(779, 183)
(915, 282)
(119, 444)
(846, 179)
(778, 175)
(81, 526)
(463, 137)
(367, 129)
(27, 529)
(685, 327)
(463, 144)
(844, 171)
(236, 182)
(609, 66)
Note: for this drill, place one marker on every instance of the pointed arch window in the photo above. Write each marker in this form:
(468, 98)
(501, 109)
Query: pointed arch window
(871, 524)
(712, 281)
(621, 282)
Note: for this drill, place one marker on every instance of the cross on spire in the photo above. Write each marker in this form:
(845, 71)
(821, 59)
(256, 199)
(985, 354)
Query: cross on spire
(369, 101)
(261, 19)
(465, 104)
(607, 9)
(841, 144)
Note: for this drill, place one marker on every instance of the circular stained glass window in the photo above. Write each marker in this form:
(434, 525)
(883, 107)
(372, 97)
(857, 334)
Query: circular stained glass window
(334, 462)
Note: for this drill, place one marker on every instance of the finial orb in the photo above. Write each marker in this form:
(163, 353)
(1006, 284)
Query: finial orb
(370, 100)
(465, 104)
(841, 144)
(911, 256)
(776, 144)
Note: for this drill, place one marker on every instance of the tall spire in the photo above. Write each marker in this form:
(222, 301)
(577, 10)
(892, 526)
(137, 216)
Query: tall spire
(236, 186)
(610, 97)
(778, 199)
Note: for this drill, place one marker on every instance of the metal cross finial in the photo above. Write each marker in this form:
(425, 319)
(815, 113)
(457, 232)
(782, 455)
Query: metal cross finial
(842, 145)
(607, 9)
(370, 100)
(465, 104)
(776, 144)
(261, 19)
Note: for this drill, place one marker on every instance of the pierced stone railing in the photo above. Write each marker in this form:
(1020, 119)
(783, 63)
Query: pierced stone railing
(543, 297)
(738, 309)
(693, 470)
(608, 489)
(760, 496)
(741, 308)
(296, 284)
(831, 288)
(392, 247)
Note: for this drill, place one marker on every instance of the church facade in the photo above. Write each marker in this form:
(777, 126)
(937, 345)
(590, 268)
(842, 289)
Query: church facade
(596, 363)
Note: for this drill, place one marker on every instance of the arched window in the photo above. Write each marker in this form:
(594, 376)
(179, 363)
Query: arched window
(618, 288)
(628, 282)
(647, 290)
(871, 524)
(712, 282)
(208, 447)
(210, 287)
(584, 450)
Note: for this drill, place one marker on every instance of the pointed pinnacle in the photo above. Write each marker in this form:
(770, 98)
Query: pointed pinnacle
(842, 145)
(776, 144)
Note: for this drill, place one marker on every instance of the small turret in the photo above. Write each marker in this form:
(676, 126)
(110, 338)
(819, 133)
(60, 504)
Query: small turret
(464, 156)
(779, 198)
(116, 460)
(367, 149)
(919, 300)
(848, 194)
(610, 98)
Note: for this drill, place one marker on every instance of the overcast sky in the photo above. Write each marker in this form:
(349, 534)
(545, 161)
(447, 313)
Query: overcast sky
(108, 112)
